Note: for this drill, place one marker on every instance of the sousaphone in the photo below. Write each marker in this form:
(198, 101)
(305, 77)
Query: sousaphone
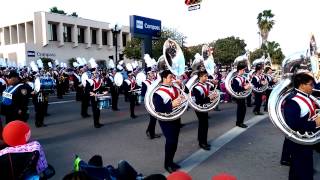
(173, 60)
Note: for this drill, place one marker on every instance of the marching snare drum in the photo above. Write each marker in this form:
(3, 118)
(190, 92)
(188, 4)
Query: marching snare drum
(45, 84)
(104, 102)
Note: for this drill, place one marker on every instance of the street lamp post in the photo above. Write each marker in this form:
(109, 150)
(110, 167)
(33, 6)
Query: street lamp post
(115, 31)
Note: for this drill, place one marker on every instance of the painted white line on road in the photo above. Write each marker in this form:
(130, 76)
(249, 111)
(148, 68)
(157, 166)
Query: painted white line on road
(201, 155)
(58, 102)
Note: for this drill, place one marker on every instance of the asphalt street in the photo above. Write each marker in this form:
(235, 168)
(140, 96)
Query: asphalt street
(248, 154)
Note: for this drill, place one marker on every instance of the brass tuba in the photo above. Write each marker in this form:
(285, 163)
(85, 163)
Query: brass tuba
(230, 77)
(294, 64)
(208, 64)
(173, 60)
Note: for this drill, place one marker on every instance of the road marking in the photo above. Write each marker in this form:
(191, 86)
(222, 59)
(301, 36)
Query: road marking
(201, 155)
(58, 102)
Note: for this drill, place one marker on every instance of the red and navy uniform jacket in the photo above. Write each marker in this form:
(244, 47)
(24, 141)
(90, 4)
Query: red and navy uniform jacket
(238, 84)
(95, 86)
(129, 85)
(163, 97)
(256, 80)
(270, 80)
(145, 85)
(201, 92)
(298, 108)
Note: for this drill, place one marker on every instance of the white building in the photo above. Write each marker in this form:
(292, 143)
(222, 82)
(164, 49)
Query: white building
(61, 37)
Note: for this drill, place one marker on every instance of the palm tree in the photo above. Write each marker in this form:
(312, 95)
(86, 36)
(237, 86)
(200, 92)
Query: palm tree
(265, 24)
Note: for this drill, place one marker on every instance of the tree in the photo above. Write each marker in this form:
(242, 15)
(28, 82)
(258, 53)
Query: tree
(256, 54)
(45, 62)
(133, 49)
(56, 10)
(227, 49)
(157, 45)
(74, 14)
(71, 61)
(265, 24)
(271, 48)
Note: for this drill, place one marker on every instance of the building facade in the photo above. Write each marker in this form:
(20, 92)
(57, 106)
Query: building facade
(60, 37)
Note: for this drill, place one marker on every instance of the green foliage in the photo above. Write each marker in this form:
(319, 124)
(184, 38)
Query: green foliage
(265, 24)
(56, 10)
(133, 49)
(70, 61)
(45, 62)
(256, 54)
(227, 49)
(74, 14)
(272, 48)
(157, 45)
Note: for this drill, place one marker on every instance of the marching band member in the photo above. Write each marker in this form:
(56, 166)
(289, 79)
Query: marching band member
(86, 96)
(129, 87)
(201, 94)
(95, 88)
(76, 76)
(153, 121)
(114, 90)
(271, 81)
(258, 81)
(39, 101)
(14, 98)
(165, 99)
(298, 108)
(239, 84)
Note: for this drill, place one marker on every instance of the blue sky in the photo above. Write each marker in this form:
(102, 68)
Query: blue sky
(295, 20)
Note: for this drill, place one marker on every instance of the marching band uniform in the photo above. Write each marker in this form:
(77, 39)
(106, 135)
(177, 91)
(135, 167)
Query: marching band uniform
(39, 102)
(95, 86)
(162, 100)
(269, 78)
(201, 92)
(129, 86)
(14, 100)
(114, 90)
(77, 86)
(238, 86)
(85, 99)
(298, 108)
(153, 121)
(257, 82)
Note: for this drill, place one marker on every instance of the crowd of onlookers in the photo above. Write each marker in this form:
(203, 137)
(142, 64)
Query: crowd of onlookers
(24, 159)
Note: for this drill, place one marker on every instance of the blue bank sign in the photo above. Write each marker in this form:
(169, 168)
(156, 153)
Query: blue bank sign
(145, 26)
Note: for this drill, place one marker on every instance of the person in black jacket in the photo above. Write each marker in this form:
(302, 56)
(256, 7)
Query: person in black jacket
(239, 84)
(258, 81)
(201, 94)
(297, 110)
(153, 121)
(165, 99)
(95, 89)
(130, 86)
(14, 99)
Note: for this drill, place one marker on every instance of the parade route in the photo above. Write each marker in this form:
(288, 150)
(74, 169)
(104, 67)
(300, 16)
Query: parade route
(246, 153)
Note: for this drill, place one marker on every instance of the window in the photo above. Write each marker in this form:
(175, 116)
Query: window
(53, 32)
(124, 40)
(104, 38)
(80, 35)
(67, 33)
(93, 36)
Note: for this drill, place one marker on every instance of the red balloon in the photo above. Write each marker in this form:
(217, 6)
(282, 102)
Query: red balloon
(16, 133)
(179, 175)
